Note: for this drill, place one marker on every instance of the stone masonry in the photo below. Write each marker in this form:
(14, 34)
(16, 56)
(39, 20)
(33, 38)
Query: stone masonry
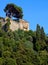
(22, 24)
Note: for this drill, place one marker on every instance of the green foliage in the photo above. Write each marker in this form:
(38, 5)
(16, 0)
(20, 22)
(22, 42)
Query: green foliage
(1, 61)
(42, 34)
(40, 43)
(6, 54)
(43, 57)
(0, 25)
(23, 47)
(7, 25)
(9, 61)
(13, 10)
(38, 32)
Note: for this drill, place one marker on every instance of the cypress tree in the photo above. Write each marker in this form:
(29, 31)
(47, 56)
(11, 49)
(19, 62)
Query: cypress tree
(38, 32)
(42, 34)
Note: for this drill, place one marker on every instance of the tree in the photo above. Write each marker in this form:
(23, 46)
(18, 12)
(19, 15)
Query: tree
(0, 25)
(43, 38)
(43, 57)
(38, 32)
(7, 25)
(1, 61)
(40, 39)
(9, 61)
(13, 10)
(42, 34)
(6, 54)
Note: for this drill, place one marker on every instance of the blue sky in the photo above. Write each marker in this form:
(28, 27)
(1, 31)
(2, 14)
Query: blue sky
(35, 11)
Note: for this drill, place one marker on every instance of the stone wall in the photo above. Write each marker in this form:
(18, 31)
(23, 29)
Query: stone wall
(22, 24)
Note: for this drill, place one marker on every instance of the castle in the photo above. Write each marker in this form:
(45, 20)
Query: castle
(22, 24)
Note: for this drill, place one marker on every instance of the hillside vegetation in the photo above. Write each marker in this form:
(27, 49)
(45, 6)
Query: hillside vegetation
(23, 47)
